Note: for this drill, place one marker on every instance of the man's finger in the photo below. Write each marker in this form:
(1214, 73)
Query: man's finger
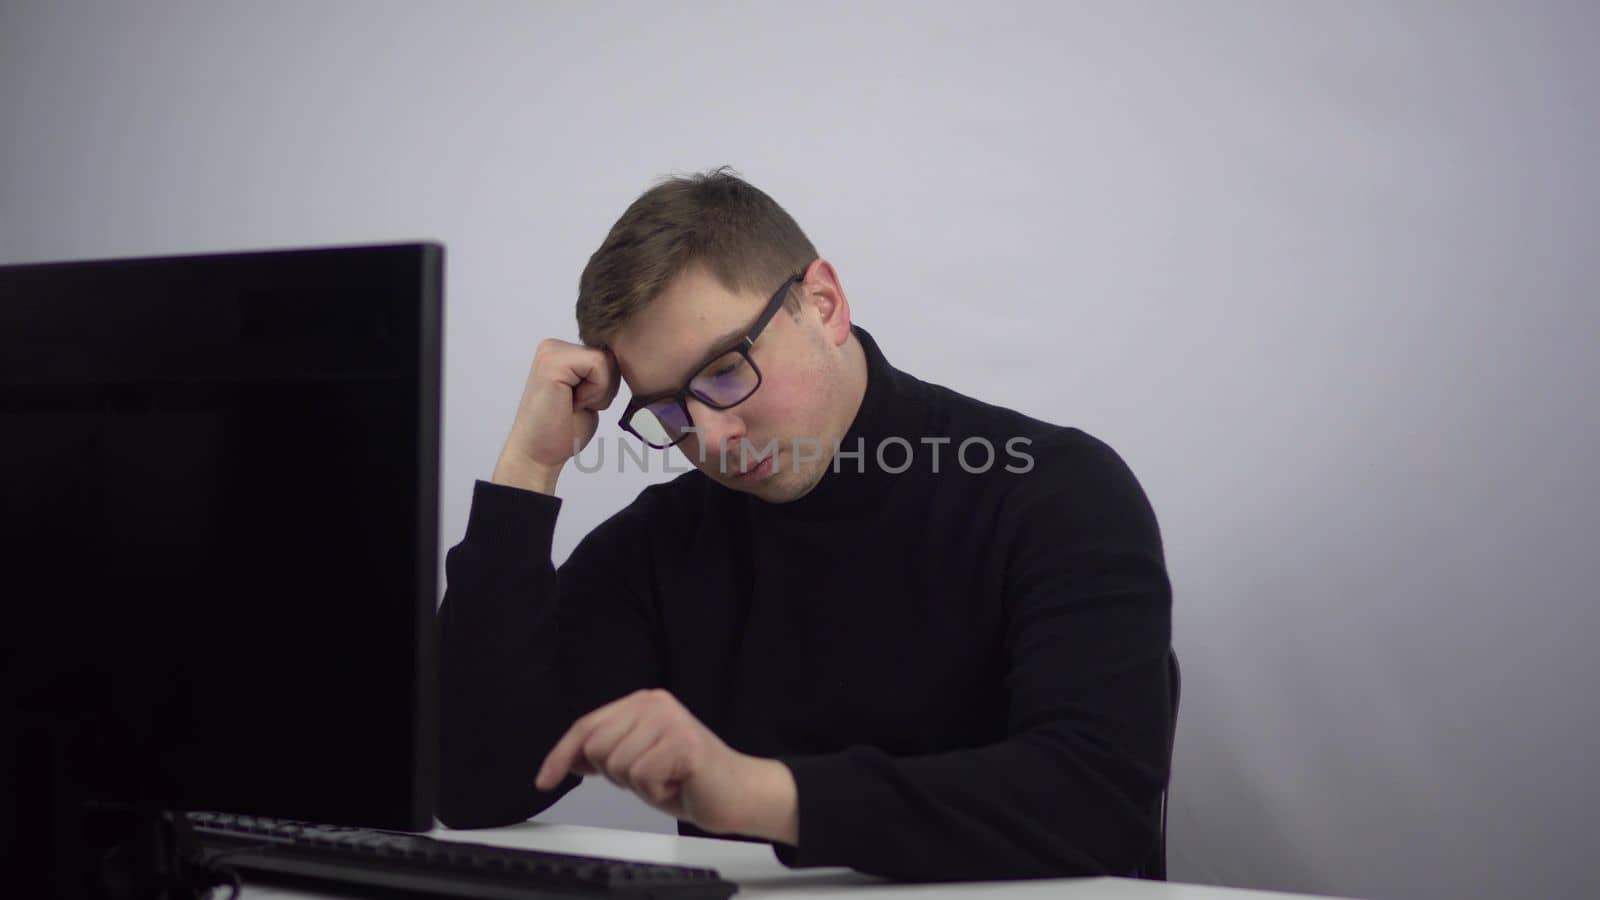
(644, 735)
(593, 755)
(655, 774)
(559, 760)
(593, 395)
(597, 378)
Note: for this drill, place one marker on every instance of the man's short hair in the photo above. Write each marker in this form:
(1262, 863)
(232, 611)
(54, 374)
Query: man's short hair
(741, 236)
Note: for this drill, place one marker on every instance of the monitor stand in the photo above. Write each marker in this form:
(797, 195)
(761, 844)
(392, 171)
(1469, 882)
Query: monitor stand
(61, 842)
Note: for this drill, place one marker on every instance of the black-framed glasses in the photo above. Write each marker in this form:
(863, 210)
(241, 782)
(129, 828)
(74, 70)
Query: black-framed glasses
(726, 380)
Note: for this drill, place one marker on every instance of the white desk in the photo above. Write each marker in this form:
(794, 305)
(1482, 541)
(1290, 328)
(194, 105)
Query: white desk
(759, 874)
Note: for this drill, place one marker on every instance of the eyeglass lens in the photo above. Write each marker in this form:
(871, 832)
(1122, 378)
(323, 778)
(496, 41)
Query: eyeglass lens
(726, 381)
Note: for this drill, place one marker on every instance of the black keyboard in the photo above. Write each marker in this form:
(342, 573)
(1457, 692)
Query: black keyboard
(363, 860)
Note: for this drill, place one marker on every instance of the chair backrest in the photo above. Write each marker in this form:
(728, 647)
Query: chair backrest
(1155, 867)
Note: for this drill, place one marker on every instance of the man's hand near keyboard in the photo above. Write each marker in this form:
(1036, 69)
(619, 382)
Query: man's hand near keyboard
(648, 743)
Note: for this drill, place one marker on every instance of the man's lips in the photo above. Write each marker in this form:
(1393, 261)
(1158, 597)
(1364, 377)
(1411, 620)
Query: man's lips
(756, 470)
(732, 458)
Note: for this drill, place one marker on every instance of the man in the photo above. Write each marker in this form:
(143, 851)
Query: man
(879, 624)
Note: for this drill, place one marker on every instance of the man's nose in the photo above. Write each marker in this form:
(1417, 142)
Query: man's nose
(720, 429)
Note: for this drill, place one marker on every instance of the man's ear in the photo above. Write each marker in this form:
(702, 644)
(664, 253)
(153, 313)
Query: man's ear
(824, 293)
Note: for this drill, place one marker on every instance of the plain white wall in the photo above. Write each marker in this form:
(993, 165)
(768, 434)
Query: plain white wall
(1324, 274)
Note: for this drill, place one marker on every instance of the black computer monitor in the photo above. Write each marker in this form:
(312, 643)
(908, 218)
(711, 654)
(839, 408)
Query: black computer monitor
(218, 513)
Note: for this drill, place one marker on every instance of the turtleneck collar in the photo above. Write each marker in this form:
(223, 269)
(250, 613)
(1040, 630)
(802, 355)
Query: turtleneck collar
(891, 407)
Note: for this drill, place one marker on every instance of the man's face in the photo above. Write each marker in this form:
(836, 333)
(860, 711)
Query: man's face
(800, 394)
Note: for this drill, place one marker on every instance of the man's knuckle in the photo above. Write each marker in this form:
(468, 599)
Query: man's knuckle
(638, 773)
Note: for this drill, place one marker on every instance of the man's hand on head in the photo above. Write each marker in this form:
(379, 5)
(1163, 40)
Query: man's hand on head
(567, 386)
(649, 744)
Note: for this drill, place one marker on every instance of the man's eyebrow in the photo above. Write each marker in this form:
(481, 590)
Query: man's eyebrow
(724, 342)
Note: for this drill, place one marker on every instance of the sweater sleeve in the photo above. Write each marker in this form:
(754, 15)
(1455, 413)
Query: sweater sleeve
(526, 649)
(1073, 788)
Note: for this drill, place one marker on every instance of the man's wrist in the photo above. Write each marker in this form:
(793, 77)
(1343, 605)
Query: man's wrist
(528, 476)
(775, 806)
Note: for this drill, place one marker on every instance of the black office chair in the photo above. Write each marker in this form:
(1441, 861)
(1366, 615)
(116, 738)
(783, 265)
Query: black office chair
(1155, 868)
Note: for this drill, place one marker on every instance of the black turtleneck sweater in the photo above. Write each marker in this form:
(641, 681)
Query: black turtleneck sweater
(966, 671)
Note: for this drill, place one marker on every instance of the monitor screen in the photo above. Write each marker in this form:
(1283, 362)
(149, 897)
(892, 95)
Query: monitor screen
(219, 507)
